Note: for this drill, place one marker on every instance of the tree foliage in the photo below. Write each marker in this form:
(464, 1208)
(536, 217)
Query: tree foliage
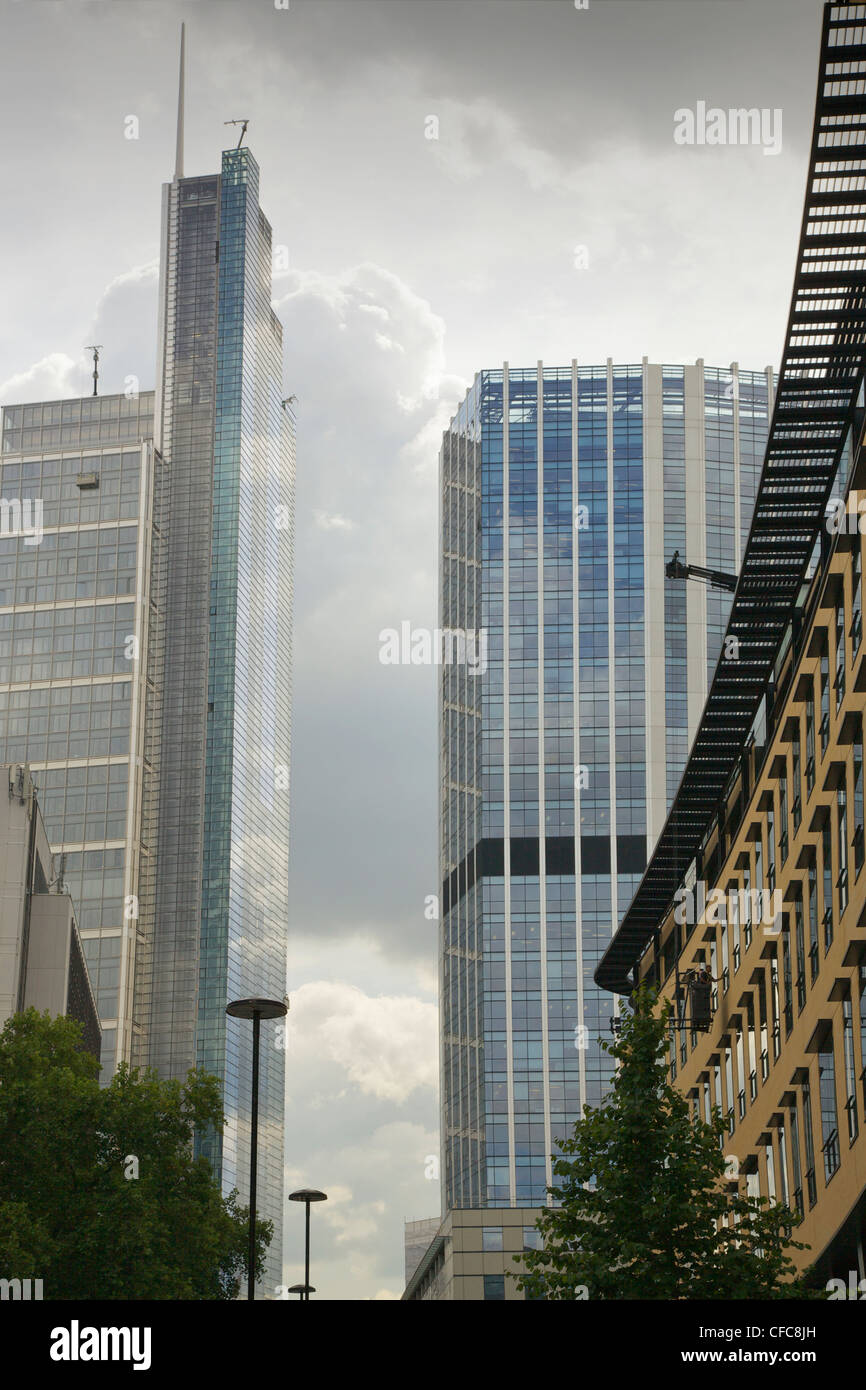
(644, 1209)
(100, 1195)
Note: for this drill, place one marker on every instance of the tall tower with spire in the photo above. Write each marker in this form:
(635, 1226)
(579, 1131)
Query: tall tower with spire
(214, 924)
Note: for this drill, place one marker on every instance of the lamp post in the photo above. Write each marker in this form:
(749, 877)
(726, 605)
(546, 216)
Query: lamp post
(256, 1009)
(307, 1195)
(301, 1290)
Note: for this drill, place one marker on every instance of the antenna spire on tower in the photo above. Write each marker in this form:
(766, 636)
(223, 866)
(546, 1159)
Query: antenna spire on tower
(178, 163)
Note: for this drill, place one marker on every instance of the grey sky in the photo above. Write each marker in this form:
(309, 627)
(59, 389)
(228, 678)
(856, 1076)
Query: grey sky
(412, 263)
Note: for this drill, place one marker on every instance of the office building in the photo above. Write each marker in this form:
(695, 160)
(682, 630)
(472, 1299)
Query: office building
(42, 964)
(558, 761)
(78, 606)
(758, 875)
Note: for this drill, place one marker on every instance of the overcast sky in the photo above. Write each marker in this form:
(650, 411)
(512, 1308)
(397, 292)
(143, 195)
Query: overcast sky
(412, 263)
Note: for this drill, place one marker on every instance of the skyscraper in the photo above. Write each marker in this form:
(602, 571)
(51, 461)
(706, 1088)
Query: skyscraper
(79, 606)
(219, 928)
(564, 493)
(149, 680)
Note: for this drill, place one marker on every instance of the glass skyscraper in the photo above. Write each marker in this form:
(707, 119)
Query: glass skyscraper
(219, 925)
(563, 494)
(145, 652)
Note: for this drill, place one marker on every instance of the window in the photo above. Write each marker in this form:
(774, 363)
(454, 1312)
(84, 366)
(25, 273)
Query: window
(771, 853)
(840, 650)
(796, 804)
(762, 1020)
(750, 1033)
(494, 1287)
(857, 803)
(784, 1192)
(796, 1171)
(491, 1238)
(814, 955)
(734, 914)
(810, 739)
(842, 847)
(774, 1006)
(827, 871)
(856, 628)
(850, 1074)
(801, 951)
(829, 1117)
(783, 816)
(809, 1141)
(532, 1238)
(825, 703)
(785, 948)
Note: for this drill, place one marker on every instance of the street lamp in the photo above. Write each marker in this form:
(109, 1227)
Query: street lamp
(300, 1290)
(256, 1009)
(307, 1195)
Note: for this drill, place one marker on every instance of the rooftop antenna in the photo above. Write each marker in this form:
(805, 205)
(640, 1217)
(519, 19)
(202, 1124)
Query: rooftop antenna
(94, 348)
(178, 162)
(242, 121)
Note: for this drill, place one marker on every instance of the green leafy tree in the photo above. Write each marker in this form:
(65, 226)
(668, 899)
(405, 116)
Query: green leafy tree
(645, 1212)
(100, 1195)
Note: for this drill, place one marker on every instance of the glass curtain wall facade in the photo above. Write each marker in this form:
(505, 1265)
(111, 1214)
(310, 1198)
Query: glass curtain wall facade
(564, 492)
(79, 630)
(219, 929)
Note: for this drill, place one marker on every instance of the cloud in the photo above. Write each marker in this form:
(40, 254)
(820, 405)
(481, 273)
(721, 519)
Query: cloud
(385, 1046)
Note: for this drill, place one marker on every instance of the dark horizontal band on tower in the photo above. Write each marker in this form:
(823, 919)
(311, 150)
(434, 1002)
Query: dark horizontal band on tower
(487, 860)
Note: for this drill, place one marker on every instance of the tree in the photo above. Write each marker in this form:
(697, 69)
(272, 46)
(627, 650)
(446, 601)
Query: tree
(100, 1195)
(645, 1210)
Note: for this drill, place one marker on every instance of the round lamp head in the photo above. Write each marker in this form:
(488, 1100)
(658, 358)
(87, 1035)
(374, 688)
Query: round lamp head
(308, 1194)
(264, 1008)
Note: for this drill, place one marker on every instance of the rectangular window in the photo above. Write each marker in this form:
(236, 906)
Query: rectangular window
(856, 628)
(850, 1071)
(827, 879)
(800, 937)
(840, 650)
(829, 1117)
(810, 739)
(809, 1141)
(785, 948)
(857, 800)
(784, 1189)
(741, 1075)
(762, 1021)
(771, 854)
(494, 1287)
(842, 848)
(747, 900)
(774, 1007)
(734, 913)
(750, 1033)
(796, 782)
(814, 953)
(783, 816)
(825, 702)
(796, 1170)
(491, 1238)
